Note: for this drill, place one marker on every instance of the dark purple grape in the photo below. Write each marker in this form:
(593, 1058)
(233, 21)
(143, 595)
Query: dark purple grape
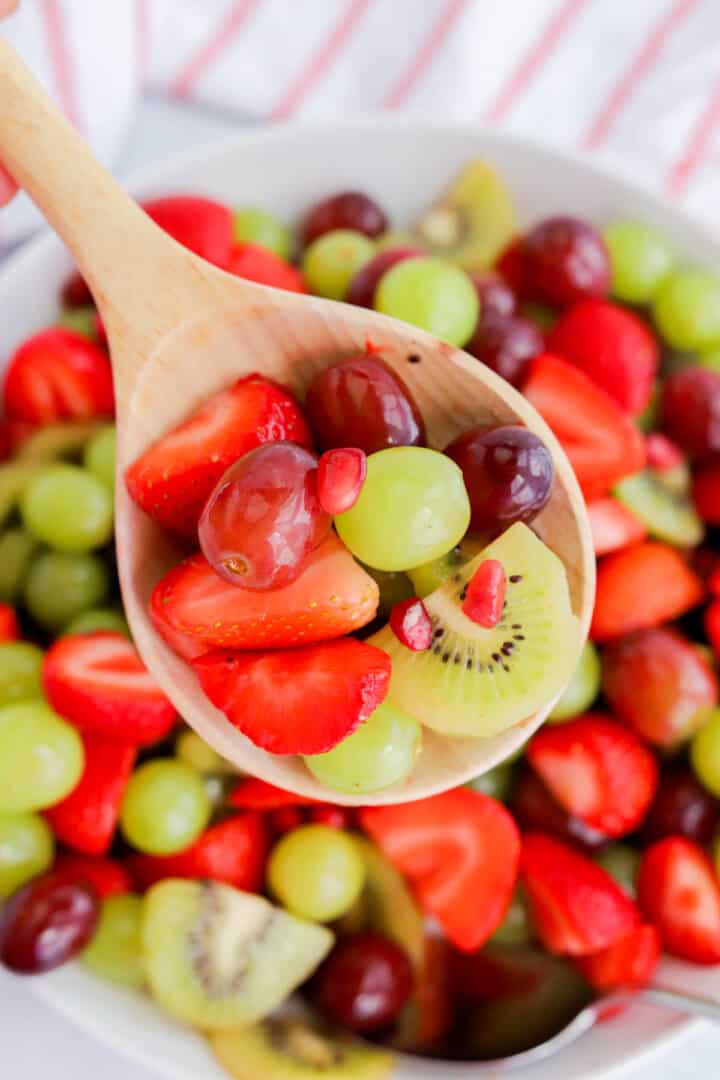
(497, 299)
(534, 808)
(507, 343)
(362, 402)
(564, 260)
(682, 807)
(346, 210)
(363, 285)
(46, 923)
(508, 473)
(365, 983)
(691, 410)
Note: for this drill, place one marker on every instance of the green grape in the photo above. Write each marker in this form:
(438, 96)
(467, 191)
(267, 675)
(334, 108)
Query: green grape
(432, 294)
(165, 807)
(497, 782)
(251, 225)
(90, 622)
(394, 587)
(115, 952)
(316, 872)
(53, 441)
(710, 360)
(100, 456)
(649, 418)
(622, 863)
(41, 757)
(14, 478)
(20, 671)
(640, 260)
(419, 497)
(27, 848)
(60, 586)
(201, 757)
(331, 261)
(82, 320)
(687, 309)
(582, 689)
(705, 754)
(398, 238)
(68, 508)
(17, 548)
(516, 927)
(380, 753)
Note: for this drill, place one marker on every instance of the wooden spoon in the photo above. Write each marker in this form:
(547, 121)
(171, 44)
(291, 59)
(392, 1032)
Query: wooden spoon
(180, 329)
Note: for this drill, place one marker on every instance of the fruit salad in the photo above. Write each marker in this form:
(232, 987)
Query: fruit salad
(341, 586)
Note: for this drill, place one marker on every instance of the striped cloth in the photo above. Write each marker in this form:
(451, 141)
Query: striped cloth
(635, 83)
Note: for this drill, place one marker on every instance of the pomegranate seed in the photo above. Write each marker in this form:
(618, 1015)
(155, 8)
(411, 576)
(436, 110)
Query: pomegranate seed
(341, 475)
(411, 624)
(335, 817)
(662, 453)
(485, 595)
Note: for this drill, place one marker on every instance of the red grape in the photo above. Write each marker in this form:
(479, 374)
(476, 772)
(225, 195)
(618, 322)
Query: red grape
(508, 473)
(264, 518)
(346, 210)
(682, 807)
(506, 343)
(691, 410)
(535, 808)
(365, 982)
(363, 285)
(362, 402)
(497, 298)
(46, 923)
(565, 259)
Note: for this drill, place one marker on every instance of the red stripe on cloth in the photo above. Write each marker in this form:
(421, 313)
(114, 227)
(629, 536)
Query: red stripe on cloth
(60, 59)
(639, 66)
(532, 62)
(321, 60)
(142, 32)
(230, 26)
(695, 150)
(424, 56)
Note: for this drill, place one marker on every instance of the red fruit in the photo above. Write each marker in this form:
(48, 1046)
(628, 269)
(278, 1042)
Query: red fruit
(598, 771)
(495, 295)
(485, 597)
(234, 852)
(577, 908)
(341, 475)
(613, 526)
(363, 285)
(659, 684)
(682, 807)
(75, 292)
(460, 850)
(642, 586)
(172, 480)
(202, 225)
(565, 260)
(629, 963)
(507, 343)
(365, 982)
(297, 701)
(679, 893)
(99, 683)
(86, 819)
(58, 375)
(691, 410)
(285, 820)
(106, 877)
(346, 210)
(602, 443)
(254, 794)
(46, 923)
(663, 455)
(613, 347)
(196, 611)
(535, 810)
(706, 492)
(511, 266)
(9, 625)
(335, 817)
(255, 263)
(411, 624)
(712, 625)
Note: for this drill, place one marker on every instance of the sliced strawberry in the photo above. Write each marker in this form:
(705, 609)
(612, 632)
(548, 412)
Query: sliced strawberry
(712, 625)
(99, 683)
(172, 480)
(86, 819)
(460, 850)
(679, 893)
(234, 852)
(706, 492)
(642, 586)
(628, 964)
(611, 346)
(297, 701)
(107, 877)
(202, 225)
(9, 625)
(255, 263)
(598, 771)
(196, 611)
(613, 525)
(254, 794)
(601, 442)
(58, 375)
(536, 810)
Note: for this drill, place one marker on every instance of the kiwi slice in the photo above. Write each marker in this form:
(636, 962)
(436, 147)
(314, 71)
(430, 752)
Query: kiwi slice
(664, 506)
(289, 1048)
(479, 682)
(473, 222)
(57, 441)
(17, 548)
(216, 957)
(430, 575)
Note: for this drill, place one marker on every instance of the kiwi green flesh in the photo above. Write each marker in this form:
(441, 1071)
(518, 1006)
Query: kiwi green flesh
(664, 508)
(429, 576)
(216, 957)
(474, 681)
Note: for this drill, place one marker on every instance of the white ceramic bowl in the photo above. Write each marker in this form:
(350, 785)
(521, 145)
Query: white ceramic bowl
(406, 164)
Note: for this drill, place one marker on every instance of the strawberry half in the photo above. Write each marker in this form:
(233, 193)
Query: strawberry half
(577, 908)
(679, 892)
(173, 479)
(202, 225)
(297, 701)
(613, 525)
(460, 850)
(99, 683)
(254, 794)
(195, 610)
(234, 852)
(86, 819)
(629, 963)
(9, 625)
(105, 876)
(255, 263)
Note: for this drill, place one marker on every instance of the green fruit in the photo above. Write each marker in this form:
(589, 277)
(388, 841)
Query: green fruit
(16, 551)
(668, 514)
(60, 585)
(46, 502)
(252, 225)
(331, 262)
(165, 807)
(516, 928)
(316, 872)
(640, 260)
(583, 688)
(14, 478)
(81, 320)
(20, 671)
(497, 782)
(41, 757)
(115, 952)
(27, 848)
(218, 958)
(196, 753)
(100, 455)
(394, 586)
(687, 309)
(705, 754)
(430, 576)
(54, 441)
(90, 622)
(476, 681)
(710, 360)
(433, 294)
(649, 419)
(622, 862)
